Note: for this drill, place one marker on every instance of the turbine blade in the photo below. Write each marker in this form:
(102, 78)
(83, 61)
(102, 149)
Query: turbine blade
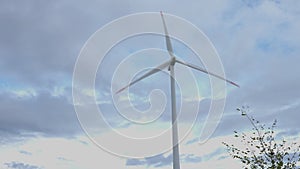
(168, 40)
(207, 72)
(149, 73)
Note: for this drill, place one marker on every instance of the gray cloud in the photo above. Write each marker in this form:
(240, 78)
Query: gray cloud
(161, 160)
(191, 158)
(155, 161)
(44, 114)
(134, 162)
(25, 152)
(20, 165)
(41, 40)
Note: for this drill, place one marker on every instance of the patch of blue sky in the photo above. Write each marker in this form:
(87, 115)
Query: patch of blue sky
(25, 152)
(3, 84)
(264, 44)
(284, 25)
(18, 90)
(275, 45)
(191, 158)
(7, 82)
(252, 3)
(232, 9)
(192, 141)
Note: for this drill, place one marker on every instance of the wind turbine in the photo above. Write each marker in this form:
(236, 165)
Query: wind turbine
(171, 63)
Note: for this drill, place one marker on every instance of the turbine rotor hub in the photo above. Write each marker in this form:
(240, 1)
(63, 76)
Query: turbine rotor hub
(173, 61)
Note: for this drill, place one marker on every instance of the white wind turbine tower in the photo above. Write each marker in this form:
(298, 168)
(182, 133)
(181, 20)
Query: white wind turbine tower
(171, 63)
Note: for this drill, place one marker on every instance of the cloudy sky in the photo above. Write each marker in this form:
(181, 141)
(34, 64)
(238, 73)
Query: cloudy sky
(257, 42)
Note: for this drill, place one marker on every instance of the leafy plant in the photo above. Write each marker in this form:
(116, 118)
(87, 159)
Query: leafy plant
(261, 150)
